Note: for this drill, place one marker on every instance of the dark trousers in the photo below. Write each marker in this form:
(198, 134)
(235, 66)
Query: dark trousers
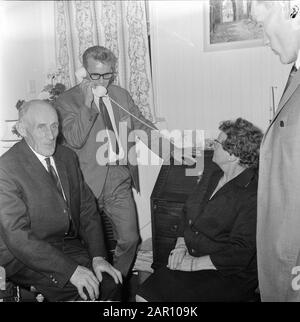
(73, 248)
(166, 285)
(116, 200)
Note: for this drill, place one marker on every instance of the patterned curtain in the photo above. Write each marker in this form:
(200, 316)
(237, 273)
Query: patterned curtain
(120, 26)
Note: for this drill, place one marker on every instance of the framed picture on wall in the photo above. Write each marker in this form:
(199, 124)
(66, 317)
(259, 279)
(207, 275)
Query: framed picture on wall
(228, 24)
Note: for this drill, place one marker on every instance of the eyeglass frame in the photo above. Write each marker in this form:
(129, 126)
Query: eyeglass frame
(217, 141)
(101, 75)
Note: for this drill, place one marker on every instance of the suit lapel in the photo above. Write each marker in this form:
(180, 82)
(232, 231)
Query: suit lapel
(289, 91)
(116, 114)
(285, 97)
(33, 164)
(119, 113)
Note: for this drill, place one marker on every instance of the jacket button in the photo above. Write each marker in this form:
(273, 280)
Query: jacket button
(196, 232)
(190, 222)
(193, 250)
(281, 123)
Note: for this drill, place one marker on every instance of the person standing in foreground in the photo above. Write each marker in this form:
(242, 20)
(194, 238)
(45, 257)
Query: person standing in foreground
(278, 222)
(50, 232)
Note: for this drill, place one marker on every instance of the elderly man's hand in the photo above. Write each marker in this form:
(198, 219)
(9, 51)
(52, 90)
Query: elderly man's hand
(85, 278)
(101, 265)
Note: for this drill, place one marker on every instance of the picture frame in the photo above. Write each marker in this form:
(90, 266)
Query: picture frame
(229, 25)
(226, 28)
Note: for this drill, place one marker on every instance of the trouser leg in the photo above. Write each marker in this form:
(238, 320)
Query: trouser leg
(108, 289)
(118, 204)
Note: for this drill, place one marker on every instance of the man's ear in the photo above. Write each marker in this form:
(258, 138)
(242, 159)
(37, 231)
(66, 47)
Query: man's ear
(295, 15)
(80, 74)
(20, 126)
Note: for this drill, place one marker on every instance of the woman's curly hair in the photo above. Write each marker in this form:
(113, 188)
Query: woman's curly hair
(243, 140)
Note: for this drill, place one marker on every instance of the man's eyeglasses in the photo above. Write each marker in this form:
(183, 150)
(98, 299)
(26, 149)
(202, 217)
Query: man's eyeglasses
(96, 76)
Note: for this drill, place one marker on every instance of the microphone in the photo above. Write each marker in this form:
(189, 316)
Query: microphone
(2, 279)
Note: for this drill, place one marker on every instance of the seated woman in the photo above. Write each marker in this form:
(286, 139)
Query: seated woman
(215, 254)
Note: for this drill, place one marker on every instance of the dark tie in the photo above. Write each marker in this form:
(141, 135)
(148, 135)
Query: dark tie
(58, 185)
(54, 177)
(108, 125)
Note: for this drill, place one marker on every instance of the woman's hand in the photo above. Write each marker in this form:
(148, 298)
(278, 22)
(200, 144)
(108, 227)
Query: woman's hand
(176, 256)
(191, 264)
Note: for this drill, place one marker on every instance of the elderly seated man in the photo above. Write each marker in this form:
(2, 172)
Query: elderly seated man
(50, 232)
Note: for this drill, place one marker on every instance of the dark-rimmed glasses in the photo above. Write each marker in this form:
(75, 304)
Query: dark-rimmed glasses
(97, 76)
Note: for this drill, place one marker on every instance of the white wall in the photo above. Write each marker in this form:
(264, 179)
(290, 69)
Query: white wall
(27, 54)
(197, 89)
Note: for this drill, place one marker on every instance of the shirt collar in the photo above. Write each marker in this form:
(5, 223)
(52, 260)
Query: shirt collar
(40, 156)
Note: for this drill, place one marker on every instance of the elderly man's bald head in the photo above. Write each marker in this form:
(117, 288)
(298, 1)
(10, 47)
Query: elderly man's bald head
(31, 107)
(38, 124)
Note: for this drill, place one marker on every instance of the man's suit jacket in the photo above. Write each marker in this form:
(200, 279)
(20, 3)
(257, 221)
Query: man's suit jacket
(34, 215)
(278, 234)
(80, 126)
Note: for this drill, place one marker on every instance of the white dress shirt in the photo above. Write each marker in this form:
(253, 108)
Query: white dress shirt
(112, 156)
(44, 163)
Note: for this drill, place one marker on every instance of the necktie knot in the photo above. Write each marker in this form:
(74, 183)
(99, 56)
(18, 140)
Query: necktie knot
(54, 176)
(48, 162)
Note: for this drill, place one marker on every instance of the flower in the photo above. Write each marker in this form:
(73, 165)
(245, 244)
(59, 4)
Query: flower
(54, 88)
